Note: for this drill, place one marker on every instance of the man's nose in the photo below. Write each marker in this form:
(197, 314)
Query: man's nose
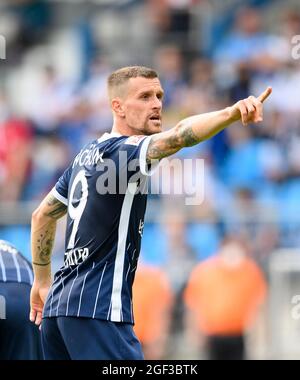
(157, 104)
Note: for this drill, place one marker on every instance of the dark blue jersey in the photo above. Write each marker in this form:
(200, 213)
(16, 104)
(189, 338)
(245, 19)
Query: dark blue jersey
(13, 266)
(104, 189)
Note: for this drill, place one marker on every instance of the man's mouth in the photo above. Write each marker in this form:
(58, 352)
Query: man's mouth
(155, 118)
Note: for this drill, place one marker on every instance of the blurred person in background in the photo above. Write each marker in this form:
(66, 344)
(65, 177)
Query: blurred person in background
(25, 23)
(180, 260)
(171, 20)
(152, 304)
(250, 45)
(99, 117)
(15, 153)
(223, 297)
(19, 339)
(169, 61)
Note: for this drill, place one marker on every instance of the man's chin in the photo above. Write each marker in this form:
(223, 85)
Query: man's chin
(153, 128)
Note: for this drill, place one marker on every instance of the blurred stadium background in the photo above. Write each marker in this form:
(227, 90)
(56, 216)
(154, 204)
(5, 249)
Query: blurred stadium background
(209, 54)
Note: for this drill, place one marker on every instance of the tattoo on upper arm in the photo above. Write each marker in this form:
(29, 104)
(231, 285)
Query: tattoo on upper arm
(57, 208)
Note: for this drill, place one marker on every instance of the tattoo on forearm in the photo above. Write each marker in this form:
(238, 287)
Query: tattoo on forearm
(58, 209)
(155, 150)
(40, 264)
(160, 147)
(189, 137)
(45, 242)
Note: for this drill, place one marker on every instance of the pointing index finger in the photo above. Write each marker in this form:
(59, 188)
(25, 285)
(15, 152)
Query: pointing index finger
(263, 96)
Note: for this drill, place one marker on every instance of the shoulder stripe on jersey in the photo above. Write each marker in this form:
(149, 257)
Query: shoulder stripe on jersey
(58, 196)
(143, 158)
(99, 286)
(17, 267)
(116, 301)
(79, 306)
(2, 268)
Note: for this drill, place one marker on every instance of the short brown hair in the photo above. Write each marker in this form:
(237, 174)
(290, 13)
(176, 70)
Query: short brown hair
(121, 76)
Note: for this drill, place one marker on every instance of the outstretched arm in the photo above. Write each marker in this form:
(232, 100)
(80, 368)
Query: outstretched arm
(194, 129)
(43, 227)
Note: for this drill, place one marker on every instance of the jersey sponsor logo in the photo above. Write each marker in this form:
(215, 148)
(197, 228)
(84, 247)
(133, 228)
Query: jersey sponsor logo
(134, 140)
(76, 256)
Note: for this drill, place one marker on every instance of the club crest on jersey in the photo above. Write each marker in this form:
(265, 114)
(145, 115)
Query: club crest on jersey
(134, 140)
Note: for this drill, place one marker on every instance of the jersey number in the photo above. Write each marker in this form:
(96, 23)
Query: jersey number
(76, 212)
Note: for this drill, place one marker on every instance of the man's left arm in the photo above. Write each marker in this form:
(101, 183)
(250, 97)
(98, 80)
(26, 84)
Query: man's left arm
(43, 228)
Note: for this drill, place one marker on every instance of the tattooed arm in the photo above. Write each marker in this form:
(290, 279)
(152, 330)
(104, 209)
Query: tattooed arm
(195, 129)
(43, 227)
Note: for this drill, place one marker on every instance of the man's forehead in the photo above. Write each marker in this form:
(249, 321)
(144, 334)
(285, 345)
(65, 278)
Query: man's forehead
(141, 84)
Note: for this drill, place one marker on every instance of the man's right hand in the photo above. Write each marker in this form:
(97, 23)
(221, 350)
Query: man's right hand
(38, 297)
(249, 110)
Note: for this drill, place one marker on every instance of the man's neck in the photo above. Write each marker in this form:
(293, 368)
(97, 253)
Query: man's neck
(124, 130)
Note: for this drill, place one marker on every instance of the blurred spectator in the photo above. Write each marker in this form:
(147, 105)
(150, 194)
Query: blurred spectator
(199, 94)
(30, 21)
(15, 148)
(223, 295)
(179, 263)
(153, 299)
(44, 171)
(52, 102)
(170, 66)
(249, 44)
(171, 19)
(99, 115)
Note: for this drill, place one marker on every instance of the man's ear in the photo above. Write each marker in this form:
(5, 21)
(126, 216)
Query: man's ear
(117, 107)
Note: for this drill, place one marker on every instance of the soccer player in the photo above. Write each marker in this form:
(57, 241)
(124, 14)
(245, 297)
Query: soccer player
(19, 339)
(87, 312)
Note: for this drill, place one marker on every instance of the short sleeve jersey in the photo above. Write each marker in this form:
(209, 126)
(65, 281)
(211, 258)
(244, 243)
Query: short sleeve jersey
(105, 190)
